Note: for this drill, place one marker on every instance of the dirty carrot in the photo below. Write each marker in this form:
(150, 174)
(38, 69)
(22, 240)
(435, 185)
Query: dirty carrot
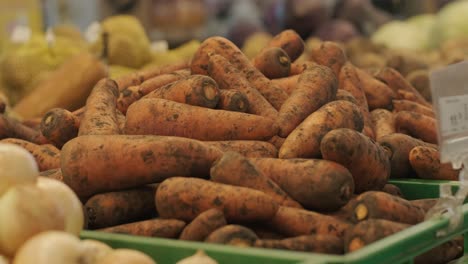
(165, 228)
(383, 121)
(99, 117)
(316, 184)
(378, 94)
(417, 125)
(316, 86)
(233, 100)
(425, 161)
(12, 128)
(59, 126)
(288, 84)
(346, 96)
(329, 54)
(273, 63)
(392, 189)
(290, 42)
(309, 243)
(185, 198)
(234, 169)
(248, 148)
(203, 225)
(406, 105)
(162, 117)
(234, 235)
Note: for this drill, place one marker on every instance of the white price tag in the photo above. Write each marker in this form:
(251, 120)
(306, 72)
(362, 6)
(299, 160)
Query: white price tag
(453, 114)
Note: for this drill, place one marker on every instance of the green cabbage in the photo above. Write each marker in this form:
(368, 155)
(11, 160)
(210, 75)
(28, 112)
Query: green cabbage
(401, 35)
(451, 23)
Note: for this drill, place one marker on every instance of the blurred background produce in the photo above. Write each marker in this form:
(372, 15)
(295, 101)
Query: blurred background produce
(37, 37)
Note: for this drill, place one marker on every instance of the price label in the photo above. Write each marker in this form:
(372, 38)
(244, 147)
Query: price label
(453, 114)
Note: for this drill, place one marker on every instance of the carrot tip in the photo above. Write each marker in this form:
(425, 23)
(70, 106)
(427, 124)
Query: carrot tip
(355, 244)
(361, 212)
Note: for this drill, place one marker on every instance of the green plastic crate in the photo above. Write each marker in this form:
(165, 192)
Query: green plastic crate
(399, 248)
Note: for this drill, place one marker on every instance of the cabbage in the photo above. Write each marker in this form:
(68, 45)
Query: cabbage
(451, 23)
(401, 35)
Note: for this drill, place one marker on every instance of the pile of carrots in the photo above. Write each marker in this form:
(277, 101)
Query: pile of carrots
(266, 152)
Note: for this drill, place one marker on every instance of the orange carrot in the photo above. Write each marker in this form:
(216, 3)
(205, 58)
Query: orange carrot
(248, 148)
(392, 189)
(367, 161)
(304, 141)
(290, 42)
(59, 126)
(148, 159)
(417, 125)
(53, 174)
(288, 84)
(349, 81)
(316, 184)
(406, 105)
(11, 128)
(235, 169)
(165, 228)
(425, 161)
(128, 96)
(198, 90)
(233, 100)
(381, 205)
(346, 96)
(378, 94)
(228, 77)
(99, 117)
(47, 156)
(316, 87)
(329, 54)
(383, 121)
(277, 142)
(297, 222)
(115, 208)
(185, 198)
(163, 117)
(219, 45)
(203, 225)
(299, 67)
(398, 147)
(273, 62)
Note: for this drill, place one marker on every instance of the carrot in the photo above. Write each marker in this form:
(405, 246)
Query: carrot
(397, 82)
(315, 184)
(425, 204)
(346, 212)
(120, 120)
(233, 100)
(366, 232)
(203, 225)
(383, 121)
(392, 189)
(346, 96)
(304, 140)
(264, 232)
(165, 228)
(99, 117)
(47, 156)
(419, 79)
(444, 253)
(198, 90)
(349, 81)
(234, 235)
(185, 198)
(53, 174)
(299, 67)
(163, 117)
(139, 77)
(425, 161)
(131, 94)
(329, 54)
(288, 84)
(406, 105)
(248, 148)
(297, 222)
(79, 113)
(235, 169)
(290, 42)
(406, 95)
(416, 125)
(3, 102)
(59, 126)
(115, 208)
(273, 62)
(134, 160)
(316, 87)
(398, 147)
(229, 77)
(159, 81)
(277, 142)
(33, 123)
(12, 128)
(219, 45)
(367, 161)
(308, 243)
(378, 94)
(381, 205)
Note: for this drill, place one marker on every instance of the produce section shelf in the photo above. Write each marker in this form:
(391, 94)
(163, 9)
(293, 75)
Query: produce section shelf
(400, 248)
